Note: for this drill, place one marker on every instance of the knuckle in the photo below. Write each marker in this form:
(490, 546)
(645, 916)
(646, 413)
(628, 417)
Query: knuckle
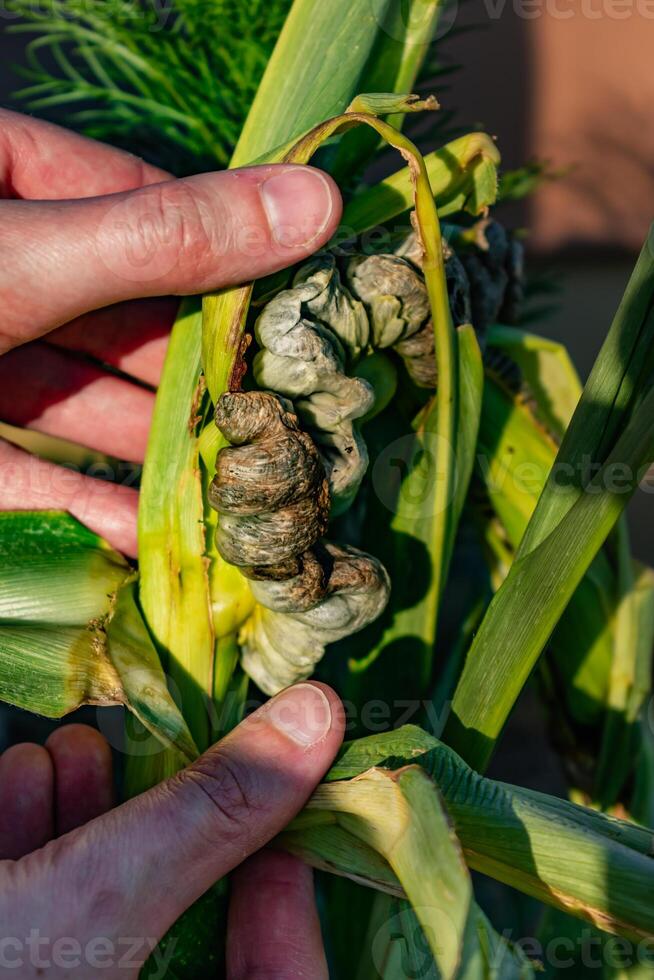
(18, 144)
(67, 867)
(231, 792)
(165, 228)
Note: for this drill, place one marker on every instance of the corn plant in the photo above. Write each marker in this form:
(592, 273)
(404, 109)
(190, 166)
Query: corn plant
(323, 442)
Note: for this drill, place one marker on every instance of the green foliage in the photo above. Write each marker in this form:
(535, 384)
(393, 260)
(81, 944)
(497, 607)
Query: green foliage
(604, 454)
(524, 181)
(70, 629)
(592, 866)
(173, 83)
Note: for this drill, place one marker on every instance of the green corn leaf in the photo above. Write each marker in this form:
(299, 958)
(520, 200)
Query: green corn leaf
(314, 72)
(471, 381)
(395, 948)
(462, 174)
(410, 622)
(642, 803)
(172, 545)
(400, 815)
(515, 455)
(620, 374)
(594, 867)
(537, 590)
(33, 548)
(70, 630)
(407, 744)
(630, 676)
(548, 370)
(569, 525)
(582, 646)
(406, 32)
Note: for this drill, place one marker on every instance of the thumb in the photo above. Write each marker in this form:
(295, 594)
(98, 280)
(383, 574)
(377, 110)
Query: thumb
(180, 236)
(135, 870)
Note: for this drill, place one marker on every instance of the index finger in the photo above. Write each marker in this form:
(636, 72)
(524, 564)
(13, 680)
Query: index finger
(41, 161)
(274, 930)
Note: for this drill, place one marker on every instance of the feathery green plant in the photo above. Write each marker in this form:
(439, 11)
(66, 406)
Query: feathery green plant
(172, 82)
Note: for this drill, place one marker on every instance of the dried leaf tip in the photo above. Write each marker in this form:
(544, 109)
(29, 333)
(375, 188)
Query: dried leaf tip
(385, 103)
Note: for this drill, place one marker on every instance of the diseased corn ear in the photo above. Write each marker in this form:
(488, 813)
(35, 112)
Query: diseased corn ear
(272, 495)
(276, 486)
(281, 647)
(494, 265)
(270, 489)
(394, 293)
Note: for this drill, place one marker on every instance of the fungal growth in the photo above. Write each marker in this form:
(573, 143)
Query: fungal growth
(270, 486)
(286, 636)
(272, 495)
(298, 456)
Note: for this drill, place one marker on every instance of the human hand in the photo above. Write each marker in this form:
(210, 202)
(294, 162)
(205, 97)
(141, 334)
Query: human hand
(99, 898)
(86, 232)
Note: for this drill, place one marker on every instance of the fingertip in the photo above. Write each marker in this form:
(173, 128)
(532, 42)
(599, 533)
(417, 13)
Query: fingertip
(83, 769)
(303, 206)
(309, 715)
(26, 800)
(337, 708)
(25, 759)
(273, 928)
(74, 740)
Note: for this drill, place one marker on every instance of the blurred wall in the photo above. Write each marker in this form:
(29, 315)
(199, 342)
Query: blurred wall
(570, 82)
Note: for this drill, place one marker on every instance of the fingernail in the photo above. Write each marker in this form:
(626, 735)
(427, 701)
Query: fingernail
(302, 713)
(299, 204)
